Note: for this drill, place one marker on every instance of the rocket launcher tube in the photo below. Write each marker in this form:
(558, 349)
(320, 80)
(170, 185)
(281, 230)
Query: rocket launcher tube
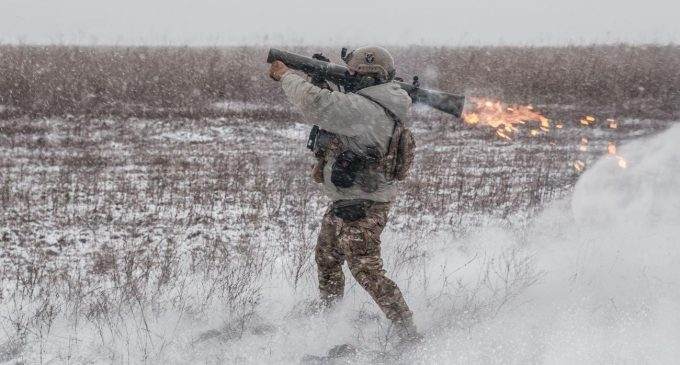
(339, 75)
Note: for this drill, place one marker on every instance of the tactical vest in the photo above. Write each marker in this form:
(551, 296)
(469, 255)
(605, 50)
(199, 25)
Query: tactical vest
(395, 164)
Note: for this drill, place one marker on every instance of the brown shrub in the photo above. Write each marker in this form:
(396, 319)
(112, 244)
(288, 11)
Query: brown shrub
(182, 81)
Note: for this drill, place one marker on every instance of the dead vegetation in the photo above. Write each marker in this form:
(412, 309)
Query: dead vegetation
(111, 221)
(111, 224)
(182, 81)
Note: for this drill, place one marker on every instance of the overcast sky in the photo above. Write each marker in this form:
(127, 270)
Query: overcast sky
(351, 22)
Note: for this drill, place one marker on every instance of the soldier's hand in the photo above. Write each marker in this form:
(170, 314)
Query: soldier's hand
(277, 70)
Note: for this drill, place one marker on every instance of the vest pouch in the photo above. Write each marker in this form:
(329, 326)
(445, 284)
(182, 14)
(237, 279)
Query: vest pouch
(345, 168)
(351, 210)
(317, 170)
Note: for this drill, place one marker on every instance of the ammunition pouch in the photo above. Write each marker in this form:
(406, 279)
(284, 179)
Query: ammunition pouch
(345, 168)
(401, 149)
(349, 165)
(317, 170)
(351, 210)
(318, 140)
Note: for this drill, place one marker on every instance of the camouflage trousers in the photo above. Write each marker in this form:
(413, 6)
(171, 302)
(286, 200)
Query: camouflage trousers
(358, 243)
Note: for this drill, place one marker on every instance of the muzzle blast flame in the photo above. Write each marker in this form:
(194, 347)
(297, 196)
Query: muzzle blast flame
(507, 119)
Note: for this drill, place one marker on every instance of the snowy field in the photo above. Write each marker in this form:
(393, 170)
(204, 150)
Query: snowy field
(191, 241)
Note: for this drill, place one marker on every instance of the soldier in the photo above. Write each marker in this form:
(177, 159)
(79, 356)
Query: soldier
(354, 170)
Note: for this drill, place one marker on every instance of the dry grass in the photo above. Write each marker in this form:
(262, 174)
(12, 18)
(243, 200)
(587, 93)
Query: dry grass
(182, 81)
(113, 221)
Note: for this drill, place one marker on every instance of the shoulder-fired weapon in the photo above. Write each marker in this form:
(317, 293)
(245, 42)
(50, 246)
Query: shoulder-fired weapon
(321, 69)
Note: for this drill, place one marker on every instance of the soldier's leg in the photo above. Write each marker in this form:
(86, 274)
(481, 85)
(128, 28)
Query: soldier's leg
(329, 259)
(360, 241)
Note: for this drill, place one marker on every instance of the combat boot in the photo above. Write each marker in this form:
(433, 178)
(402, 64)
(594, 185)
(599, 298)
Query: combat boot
(408, 333)
(314, 307)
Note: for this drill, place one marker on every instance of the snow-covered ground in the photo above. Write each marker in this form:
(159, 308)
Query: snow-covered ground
(593, 278)
(127, 240)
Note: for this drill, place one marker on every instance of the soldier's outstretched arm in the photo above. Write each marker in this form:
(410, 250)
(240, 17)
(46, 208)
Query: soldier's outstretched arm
(333, 111)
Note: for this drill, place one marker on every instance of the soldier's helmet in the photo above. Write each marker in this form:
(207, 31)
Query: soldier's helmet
(371, 60)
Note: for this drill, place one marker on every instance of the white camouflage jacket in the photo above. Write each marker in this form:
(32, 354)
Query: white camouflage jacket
(358, 121)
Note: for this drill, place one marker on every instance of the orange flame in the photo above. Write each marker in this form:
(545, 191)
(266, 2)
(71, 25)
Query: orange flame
(505, 119)
(611, 149)
(588, 120)
(612, 123)
(579, 165)
(496, 114)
